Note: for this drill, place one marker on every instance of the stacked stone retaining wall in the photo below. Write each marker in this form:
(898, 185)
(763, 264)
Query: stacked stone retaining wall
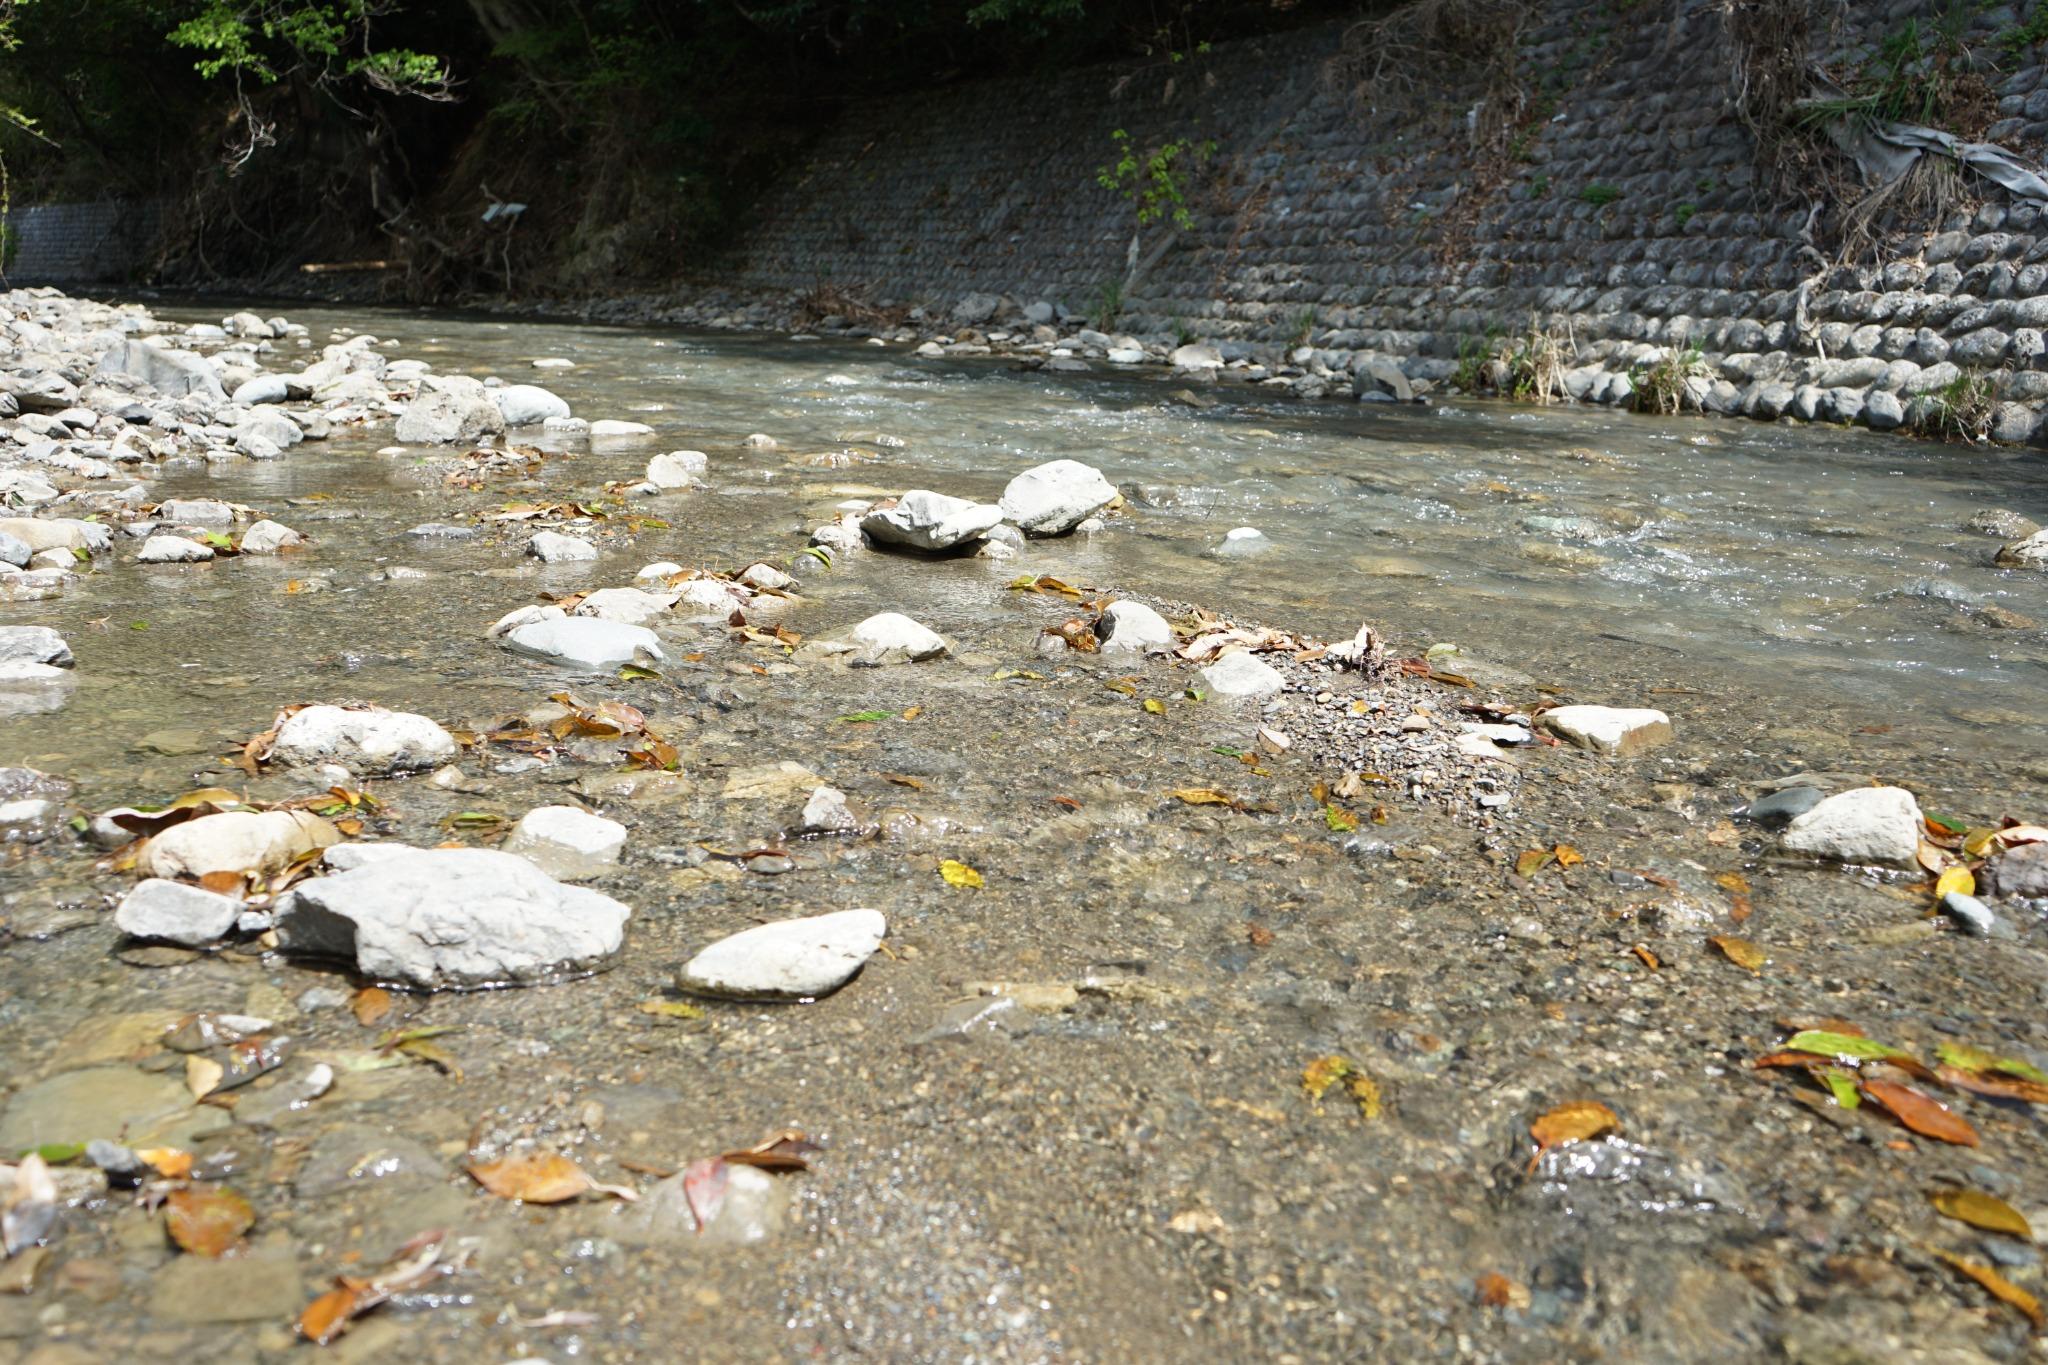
(1627, 215)
(101, 242)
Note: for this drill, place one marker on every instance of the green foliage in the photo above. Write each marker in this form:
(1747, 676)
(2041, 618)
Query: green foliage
(1474, 355)
(1155, 182)
(1662, 387)
(1964, 409)
(1539, 186)
(1108, 306)
(2021, 38)
(1600, 195)
(1684, 214)
(274, 38)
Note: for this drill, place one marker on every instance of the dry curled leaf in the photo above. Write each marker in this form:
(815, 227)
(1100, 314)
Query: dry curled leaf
(1567, 856)
(207, 1220)
(534, 1177)
(328, 1316)
(1202, 796)
(1534, 861)
(1923, 1114)
(1495, 1290)
(167, 1162)
(1575, 1121)
(788, 1150)
(1980, 1210)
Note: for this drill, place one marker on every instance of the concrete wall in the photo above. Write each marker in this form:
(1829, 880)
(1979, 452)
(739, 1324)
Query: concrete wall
(95, 243)
(1390, 236)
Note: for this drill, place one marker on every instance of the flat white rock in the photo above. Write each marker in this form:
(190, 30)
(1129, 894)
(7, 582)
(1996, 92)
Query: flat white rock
(631, 606)
(1863, 825)
(369, 742)
(268, 537)
(33, 645)
(1239, 674)
(567, 841)
(794, 959)
(585, 642)
(451, 917)
(1619, 730)
(610, 427)
(172, 912)
(552, 547)
(172, 550)
(677, 469)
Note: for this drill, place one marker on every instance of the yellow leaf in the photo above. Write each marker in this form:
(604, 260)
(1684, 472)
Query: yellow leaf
(1956, 879)
(671, 1009)
(1985, 1211)
(1567, 856)
(960, 874)
(2000, 1288)
(1575, 1121)
(1200, 796)
(1740, 951)
(1532, 862)
(912, 713)
(1155, 706)
(1733, 882)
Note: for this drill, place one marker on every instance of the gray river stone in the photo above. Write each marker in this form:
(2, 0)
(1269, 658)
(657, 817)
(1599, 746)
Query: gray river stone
(33, 645)
(451, 917)
(891, 637)
(172, 550)
(794, 959)
(552, 547)
(1239, 674)
(174, 374)
(1128, 625)
(1781, 808)
(117, 1103)
(527, 405)
(448, 412)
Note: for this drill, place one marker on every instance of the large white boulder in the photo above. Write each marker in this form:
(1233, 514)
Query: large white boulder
(677, 469)
(1863, 825)
(33, 645)
(449, 409)
(1054, 498)
(451, 917)
(552, 547)
(925, 520)
(371, 743)
(527, 405)
(174, 374)
(795, 959)
(172, 550)
(891, 637)
(268, 538)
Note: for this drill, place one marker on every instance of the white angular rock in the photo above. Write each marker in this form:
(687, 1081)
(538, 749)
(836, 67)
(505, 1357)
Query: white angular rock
(446, 411)
(1239, 674)
(195, 512)
(451, 917)
(925, 520)
(1054, 498)
(174, 374)
(172, 550)
(172, 912)
(371, 742)
(567, 842)
(269, 537)
(761, 575)
(552, 547)
(610, 427)
(677, 469)
(585, 642)
(34, 645)
(827, 812)
(1619, 730)
(527, 405)
(1133, 626)
(892, 637)
(57, 533)
(235, 841)
(1241, 541)
(521, 616)
(706, 599)
(2031, 553)
(1196, 355)
(798, 959)
(1863, 825)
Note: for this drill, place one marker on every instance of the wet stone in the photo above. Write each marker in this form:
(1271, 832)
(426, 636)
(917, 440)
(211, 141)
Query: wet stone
(789, 959)
(261, 1287)
(114, 1102)
(1867, 825)
(1782, 807)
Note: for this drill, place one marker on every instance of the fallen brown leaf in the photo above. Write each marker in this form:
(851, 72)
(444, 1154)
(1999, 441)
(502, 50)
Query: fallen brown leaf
(207, 1220)
(1921, 1113)
(1574, 1121)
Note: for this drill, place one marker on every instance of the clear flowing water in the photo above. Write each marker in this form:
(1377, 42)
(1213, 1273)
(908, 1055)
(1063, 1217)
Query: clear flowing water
(1134, 1174)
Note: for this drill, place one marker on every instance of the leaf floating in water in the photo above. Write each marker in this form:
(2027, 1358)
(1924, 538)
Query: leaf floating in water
(671, 1009)
(207, 1220)
(1740, 951)
(1921, 1113)
(532, 1177)
(960, 874)
(328, 1316)
(2000, 1288)
(1842, 1085)
(1576, 1121)
(203, 1076)
(1733, 882)
(1985, 1211)
(168, 1162)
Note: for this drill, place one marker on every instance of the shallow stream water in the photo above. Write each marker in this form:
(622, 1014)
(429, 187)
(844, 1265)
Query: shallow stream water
(1136, 1174)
